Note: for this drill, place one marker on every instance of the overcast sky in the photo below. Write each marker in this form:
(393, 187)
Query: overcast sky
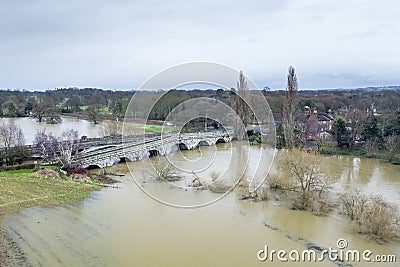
(120, 43)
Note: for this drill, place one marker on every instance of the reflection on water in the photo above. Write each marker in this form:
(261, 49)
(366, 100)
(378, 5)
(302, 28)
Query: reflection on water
(124, 227)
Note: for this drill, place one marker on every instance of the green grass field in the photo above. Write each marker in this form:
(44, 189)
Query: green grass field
(21, 189)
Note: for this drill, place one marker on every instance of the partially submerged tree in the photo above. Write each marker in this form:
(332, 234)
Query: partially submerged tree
(93, 114)
(374, 215)
(46, 110)
(241, 105)
(289, 108)
(371, 146)
(40, 110)
(164, 171)
(307, 179)
(352, 203)
(53, 115)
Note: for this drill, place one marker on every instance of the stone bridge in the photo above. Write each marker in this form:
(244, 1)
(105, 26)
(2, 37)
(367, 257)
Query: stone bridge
(132, 151)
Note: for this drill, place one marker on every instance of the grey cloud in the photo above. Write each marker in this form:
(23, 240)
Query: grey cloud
(118, 44)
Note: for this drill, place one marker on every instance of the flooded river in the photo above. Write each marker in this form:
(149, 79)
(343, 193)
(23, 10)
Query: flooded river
(30, 127)
(124, 227)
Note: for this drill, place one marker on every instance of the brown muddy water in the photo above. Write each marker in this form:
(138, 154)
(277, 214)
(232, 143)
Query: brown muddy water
(123, 226)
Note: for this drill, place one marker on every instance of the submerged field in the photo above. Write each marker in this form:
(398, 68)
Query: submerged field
(23, 189)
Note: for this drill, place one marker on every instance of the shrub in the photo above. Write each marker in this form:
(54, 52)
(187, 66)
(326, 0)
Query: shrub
(218, 187)
(78, 170)
(275, 182)
(374, 215)
(380, 219)
(352, 203)
(261, 194)
(308, 178)
(77, 176)
(321, 206)
(164, 171)
(47, 173)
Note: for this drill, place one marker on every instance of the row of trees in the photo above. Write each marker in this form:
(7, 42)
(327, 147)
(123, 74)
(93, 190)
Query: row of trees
(47, 106)
(372, 132)
(49, 147)
(355, 127)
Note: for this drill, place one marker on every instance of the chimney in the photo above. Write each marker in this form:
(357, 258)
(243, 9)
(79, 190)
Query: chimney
(307, 110)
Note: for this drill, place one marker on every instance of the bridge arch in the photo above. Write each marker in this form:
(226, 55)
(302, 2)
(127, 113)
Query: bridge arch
(203, 143)
(221, 140)
(93, 166)
(123, 159)
(182, 146)
(154, 153)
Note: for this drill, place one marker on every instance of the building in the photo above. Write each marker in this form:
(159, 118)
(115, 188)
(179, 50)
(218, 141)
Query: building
(316, 125)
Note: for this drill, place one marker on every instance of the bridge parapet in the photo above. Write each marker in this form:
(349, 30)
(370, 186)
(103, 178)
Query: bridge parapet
(138, 150)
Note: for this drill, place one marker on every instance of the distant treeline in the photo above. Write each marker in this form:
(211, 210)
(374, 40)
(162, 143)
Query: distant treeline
(16, 103)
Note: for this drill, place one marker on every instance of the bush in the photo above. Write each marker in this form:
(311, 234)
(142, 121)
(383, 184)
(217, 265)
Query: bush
(47, 173)
(352, 203)
(374, 215)
(77, 176)
(308, 179)
(218, 187)
(380, 219)
(78, 170)
(261, 194)
(275, 182)
(321, 206)
(164, 171)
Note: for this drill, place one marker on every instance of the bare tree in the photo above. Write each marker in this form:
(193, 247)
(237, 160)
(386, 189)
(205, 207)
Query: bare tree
(53, 115)
(12, 141)
(164, 170)
(374, 215)
(353, 203)
(241, 106)
(63, 148)
(93, 114)
(45, 144)
(354, 120)
(371, 146)
(289, 107)
(113, 129)
(380, 219)
(392, 145)
(68, 144)
(307, 178)
(40, 110)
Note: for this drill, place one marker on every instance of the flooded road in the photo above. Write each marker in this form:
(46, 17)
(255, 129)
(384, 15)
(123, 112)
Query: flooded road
(124, 227)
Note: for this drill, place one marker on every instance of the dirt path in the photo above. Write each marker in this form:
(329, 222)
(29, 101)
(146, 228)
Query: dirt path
(10, 255)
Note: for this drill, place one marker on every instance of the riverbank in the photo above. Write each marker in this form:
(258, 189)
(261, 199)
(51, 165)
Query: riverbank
(378, 155)
(23, 189)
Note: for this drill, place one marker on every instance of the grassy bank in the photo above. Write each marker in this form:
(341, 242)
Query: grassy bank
(22, 189)
(377, 155)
